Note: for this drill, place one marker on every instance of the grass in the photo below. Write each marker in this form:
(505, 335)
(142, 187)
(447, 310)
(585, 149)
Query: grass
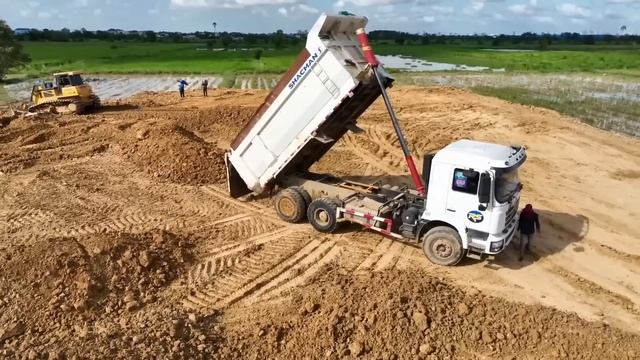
(149, 58)
(559, 78)
(608, 102)
(610, 60)
(606, 114)
(154, 58)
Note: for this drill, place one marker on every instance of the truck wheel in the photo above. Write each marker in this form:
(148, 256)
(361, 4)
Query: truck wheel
(442, 246)
(290, 205)
(322, 215)
(304, 193)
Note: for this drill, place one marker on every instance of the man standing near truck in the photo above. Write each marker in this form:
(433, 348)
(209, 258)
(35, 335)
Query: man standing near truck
(527, 225)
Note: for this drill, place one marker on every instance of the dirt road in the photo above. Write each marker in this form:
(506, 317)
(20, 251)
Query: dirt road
(117, 239)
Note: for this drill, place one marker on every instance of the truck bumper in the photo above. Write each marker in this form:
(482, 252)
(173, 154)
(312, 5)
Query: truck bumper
(494, 243)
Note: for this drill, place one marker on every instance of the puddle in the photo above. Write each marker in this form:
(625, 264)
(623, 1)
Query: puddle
(413, 64)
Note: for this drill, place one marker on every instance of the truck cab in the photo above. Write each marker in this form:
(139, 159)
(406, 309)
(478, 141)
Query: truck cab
(473, 188)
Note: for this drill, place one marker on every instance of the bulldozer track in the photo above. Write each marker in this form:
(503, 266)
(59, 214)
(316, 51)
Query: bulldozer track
(46, 103)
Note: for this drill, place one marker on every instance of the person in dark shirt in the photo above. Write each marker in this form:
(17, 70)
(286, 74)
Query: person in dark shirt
(205, 86)
(181, 85)
(527, 226)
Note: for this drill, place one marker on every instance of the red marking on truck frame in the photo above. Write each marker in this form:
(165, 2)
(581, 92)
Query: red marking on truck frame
(414, 175)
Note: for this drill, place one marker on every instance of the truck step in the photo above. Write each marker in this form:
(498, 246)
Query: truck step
(474, 254)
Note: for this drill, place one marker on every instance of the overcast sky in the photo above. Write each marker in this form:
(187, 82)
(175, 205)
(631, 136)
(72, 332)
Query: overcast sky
(453, 16)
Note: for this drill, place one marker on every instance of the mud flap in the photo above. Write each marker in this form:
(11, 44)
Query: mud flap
(235, 184)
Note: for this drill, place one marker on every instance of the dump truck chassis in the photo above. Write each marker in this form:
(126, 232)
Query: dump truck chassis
(356, 202)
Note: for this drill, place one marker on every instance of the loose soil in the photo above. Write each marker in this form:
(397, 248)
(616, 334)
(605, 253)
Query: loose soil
(118, 240)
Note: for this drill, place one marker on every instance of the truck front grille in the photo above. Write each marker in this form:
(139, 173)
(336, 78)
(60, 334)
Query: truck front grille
(510, 214)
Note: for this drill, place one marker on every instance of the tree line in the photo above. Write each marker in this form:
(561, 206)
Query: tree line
(527, 39)
(278, 38)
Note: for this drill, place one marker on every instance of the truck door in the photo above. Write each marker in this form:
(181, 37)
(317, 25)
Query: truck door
(462, 200)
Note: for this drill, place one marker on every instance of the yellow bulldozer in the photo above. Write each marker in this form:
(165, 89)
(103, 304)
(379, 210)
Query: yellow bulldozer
(67, 93)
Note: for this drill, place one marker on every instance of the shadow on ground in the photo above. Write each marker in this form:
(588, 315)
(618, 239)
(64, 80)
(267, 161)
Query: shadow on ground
(559, 232)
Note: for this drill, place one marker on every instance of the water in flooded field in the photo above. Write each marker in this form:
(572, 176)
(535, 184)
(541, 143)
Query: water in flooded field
(412, 64)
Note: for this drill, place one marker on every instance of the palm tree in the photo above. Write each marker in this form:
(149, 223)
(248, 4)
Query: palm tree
(214, 28)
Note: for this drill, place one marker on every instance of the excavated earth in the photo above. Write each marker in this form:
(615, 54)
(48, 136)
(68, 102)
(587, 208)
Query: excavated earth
(117, 240)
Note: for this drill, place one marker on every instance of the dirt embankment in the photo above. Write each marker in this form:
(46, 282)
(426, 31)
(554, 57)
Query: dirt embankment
(411, 314)
(118, 240)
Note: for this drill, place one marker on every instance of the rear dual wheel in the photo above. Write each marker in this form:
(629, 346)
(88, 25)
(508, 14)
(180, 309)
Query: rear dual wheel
(291, 204)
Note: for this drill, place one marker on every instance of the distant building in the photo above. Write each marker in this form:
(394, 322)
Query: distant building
(21, 31)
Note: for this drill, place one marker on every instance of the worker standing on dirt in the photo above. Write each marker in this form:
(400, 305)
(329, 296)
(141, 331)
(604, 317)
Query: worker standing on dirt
(181, 85)
(527, 225)
(205, 86)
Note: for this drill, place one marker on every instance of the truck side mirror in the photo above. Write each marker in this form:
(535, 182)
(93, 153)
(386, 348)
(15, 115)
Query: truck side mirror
(484, 191)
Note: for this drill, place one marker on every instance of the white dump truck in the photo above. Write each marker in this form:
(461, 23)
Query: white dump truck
(469, 207)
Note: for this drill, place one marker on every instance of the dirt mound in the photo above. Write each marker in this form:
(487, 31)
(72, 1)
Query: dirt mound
(408, 314)
(86, 272)
(169, 151)
(221, 123)
(98, 289)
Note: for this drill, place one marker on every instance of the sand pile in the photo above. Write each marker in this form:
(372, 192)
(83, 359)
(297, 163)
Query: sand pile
(169, 151)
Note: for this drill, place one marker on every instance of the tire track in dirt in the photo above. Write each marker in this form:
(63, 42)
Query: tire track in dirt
(384, 163)
(232, 283)
(295, 271)
(389, 259)
(609, 251)
(265, 212)
(375, 256)
(11, 221)
(388, 147)
(593, 290)
(235, 232)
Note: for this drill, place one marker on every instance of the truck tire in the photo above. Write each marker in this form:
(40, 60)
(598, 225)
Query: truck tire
(322, 215)
(305, 195)
(442, 246)
(290, 205)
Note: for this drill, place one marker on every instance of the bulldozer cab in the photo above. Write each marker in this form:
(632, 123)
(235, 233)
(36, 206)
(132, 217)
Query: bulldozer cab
(68, 79)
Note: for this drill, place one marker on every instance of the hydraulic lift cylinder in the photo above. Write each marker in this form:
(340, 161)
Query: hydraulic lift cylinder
(373, 62)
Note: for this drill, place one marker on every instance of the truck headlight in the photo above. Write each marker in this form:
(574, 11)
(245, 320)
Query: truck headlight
(496, 246)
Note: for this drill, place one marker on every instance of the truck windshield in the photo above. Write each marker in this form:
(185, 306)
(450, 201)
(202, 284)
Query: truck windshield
(507, 184)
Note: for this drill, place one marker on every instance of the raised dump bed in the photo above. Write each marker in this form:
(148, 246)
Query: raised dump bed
(315, 103)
